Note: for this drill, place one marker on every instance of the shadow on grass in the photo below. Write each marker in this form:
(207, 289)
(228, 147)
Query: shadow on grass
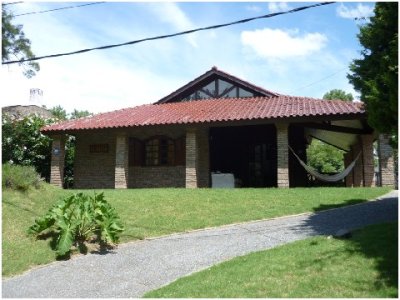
(345, 203)
(20, 207)
(379, 243)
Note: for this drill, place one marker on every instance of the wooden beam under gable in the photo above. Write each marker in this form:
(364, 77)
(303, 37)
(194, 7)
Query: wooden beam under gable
(342, 129)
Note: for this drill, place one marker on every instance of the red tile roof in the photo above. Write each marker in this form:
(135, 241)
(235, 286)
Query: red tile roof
(212, 110)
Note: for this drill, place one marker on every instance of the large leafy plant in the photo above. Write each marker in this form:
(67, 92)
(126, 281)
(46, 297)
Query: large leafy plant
(78, 220)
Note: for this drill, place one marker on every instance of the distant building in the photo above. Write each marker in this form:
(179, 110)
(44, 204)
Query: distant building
(34, 107)
(21, 111)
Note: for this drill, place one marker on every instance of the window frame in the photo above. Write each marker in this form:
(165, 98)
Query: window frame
(163, 151)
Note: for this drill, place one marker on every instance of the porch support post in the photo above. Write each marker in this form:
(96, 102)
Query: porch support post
(348, 158)
(191, 158)
(282, 155)
(358, 168)
(57, 160)
(367, 141)
(386, 162)
(121, 161)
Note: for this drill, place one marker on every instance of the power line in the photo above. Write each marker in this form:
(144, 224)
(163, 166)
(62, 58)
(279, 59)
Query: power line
(12, 3)
(60, 8)
(322, 79)
(168, 35)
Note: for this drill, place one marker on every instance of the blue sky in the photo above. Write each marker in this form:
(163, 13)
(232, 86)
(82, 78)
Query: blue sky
(306, 53)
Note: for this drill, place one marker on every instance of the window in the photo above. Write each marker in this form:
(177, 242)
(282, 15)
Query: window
(159, 151)
(218, 88)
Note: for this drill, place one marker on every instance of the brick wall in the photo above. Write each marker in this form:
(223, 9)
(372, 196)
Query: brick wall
(94, 170)
(348, 158)
(283, 155)
(121, 161)
(191, 158)
(151, 177)
(386, 161)
(99, 170)
(367, 141)
(358, 168)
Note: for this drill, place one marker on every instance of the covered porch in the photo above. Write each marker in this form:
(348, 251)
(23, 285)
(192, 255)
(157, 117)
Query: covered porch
(256, 153)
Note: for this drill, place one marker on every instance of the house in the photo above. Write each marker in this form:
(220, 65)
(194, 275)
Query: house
(216, 124)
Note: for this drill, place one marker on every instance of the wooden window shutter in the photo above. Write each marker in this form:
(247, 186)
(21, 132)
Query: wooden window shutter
(136, 152)
(180, 151)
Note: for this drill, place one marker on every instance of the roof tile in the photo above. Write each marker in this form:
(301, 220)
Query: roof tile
(211, 110)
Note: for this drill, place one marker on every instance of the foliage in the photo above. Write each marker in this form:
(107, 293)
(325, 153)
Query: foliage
(338, 94)
(375, 75)
(325, 158)
(364, 266)
(76, 114)
(16, 45)
(19, 177)
(24, 144)
(78, 219)
(59, 113)
(69, 161)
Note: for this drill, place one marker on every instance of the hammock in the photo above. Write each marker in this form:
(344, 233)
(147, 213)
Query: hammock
(324, 177)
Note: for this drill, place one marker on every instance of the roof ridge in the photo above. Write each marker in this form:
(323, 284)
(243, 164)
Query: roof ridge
(215, 70)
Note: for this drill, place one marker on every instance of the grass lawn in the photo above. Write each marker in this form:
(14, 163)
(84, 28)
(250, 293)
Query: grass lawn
(155, 212)
(363, 266)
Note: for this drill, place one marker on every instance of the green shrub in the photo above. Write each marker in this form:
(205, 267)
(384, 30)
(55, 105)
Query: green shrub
(23, 143)
(78, 220)
(20, 177)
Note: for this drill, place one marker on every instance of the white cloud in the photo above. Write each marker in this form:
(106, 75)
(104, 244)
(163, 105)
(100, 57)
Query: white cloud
(280, 44)
(170, 13)
(274, 7)
(361, 11)
(253, 8)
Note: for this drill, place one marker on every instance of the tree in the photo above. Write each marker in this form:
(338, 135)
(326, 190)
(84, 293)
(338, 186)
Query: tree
(76, 114)
(338, 94)
(375, 75)
(16, 45)
(325, 158)
(59, 113)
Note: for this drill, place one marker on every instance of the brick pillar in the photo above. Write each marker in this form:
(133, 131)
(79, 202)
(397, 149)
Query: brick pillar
(283, 155)
(348, 158)
(121, 162)
(386, 161)
(367, 141)
(191, 159)
(203, 159)
(57, 160)
(358, 168)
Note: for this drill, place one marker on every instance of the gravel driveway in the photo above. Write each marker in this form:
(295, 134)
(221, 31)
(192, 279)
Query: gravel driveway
(137, 267)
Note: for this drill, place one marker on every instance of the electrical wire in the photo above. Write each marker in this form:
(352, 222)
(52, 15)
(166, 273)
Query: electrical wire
(60, 8)
(322, 79)
(12, 3)
(168, 35)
